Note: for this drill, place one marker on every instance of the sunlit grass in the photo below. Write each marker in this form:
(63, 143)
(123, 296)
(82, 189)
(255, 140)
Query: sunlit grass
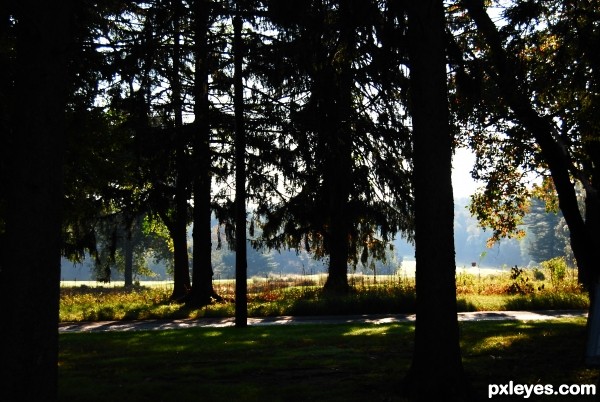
(304, 296)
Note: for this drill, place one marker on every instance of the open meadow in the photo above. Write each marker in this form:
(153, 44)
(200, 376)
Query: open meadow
(301, 295)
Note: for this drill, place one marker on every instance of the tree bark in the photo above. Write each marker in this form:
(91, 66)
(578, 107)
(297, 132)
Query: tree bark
(436, 373)
(202, 275)
(339, 166)
(181, 265)
(241, 274)
(33, 142)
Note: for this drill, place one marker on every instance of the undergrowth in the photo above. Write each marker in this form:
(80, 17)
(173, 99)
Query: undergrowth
(515, 290)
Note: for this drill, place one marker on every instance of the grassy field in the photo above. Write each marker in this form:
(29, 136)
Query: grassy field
(345, 362)
(302, 296)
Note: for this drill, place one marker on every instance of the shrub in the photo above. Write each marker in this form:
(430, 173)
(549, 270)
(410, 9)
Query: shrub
(538, 275)
(557, 268)
(520, 282)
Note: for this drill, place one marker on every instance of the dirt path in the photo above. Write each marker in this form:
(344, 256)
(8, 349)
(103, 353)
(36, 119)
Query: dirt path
(148, 325)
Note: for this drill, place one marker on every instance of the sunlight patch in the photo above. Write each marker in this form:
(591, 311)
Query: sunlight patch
(371, 331)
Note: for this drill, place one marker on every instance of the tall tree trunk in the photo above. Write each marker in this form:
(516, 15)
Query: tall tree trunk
(202, 275)
(337, 174)
(33, 142)
(181, 274)
(338, 189)
(339, 167)
(584, 238)
(436, 373)
(241, 274)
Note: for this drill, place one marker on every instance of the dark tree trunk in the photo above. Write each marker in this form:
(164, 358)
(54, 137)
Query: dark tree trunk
(584, 235)
(181, 274)
(128, 255)
(436, 373)
(339, 166)
(338, 230)
(338, 189)
(241, 274)
(202, 275)
(32, 143)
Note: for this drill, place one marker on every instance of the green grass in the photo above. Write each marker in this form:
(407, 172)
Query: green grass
(276, 296)
(345, 362)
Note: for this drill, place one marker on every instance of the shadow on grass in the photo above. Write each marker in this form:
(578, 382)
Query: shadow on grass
(345, 362)
(292, 363)
(371, 301)
(527, 353)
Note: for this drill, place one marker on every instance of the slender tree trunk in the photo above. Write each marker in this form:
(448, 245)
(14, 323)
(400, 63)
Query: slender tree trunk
(436, 373)
(583, 233)
(202, 274)
(241, 274)
(181, 275)
(33, 148)
(128, 255)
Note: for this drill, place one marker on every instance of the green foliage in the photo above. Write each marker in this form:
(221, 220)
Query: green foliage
(557, 268)
(523, 93)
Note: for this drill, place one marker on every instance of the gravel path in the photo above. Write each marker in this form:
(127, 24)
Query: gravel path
(148, 325)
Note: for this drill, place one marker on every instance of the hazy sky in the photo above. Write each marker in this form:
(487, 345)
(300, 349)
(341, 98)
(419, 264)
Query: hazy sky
(462, 182)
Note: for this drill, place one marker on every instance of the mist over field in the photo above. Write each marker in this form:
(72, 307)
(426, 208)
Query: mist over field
(470, 244)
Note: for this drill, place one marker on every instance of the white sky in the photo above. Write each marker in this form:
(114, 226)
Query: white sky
(462, 164)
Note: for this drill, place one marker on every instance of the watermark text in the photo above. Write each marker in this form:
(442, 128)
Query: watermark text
(528, 390)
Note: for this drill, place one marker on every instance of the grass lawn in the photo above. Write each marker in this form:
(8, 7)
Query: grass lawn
(342, 362)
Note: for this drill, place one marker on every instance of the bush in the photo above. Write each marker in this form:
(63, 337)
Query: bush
(538, 275)
(557, 268)
(520, 282)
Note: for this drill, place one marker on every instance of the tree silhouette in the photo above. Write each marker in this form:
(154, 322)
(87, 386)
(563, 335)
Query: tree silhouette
(36, 37)
(436, 372)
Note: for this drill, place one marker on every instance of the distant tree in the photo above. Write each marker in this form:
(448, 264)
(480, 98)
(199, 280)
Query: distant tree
(123, 245)
(436, 373)
(542, 226)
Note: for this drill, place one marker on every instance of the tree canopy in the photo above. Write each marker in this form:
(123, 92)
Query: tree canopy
(332, 123)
